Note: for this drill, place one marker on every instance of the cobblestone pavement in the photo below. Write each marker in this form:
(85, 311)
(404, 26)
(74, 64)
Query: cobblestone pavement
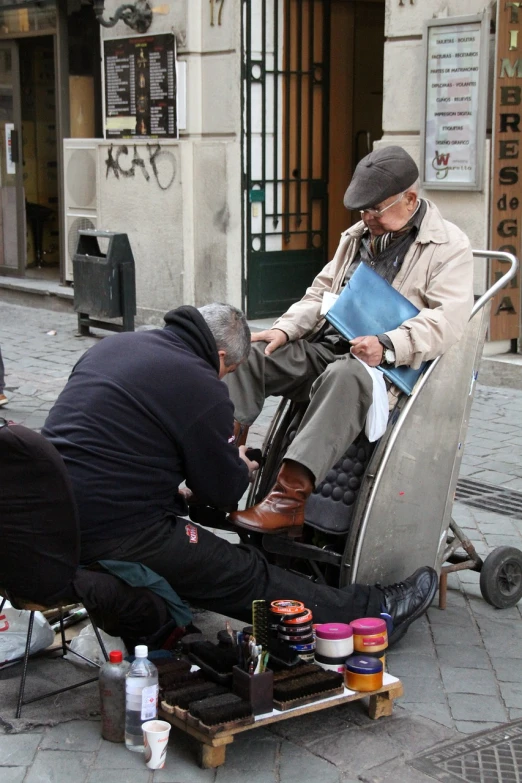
(461, 668)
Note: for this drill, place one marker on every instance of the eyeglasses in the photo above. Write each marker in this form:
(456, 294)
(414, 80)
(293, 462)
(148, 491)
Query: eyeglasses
(379, 212)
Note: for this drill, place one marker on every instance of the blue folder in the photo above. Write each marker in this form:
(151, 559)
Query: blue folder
(368, 304)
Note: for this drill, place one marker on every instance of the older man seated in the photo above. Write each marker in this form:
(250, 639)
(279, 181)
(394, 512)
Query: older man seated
(428, 259)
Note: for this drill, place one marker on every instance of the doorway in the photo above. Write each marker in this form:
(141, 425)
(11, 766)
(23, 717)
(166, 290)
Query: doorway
(29, 215)
(49, 90)
(11, 192)
(356, 90)
(40, 156)
(313, 84)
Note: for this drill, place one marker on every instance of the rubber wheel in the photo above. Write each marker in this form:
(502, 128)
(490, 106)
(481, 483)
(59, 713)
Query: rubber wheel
(501, 577)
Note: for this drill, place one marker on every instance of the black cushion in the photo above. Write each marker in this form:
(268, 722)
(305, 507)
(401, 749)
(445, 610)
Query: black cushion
(39, 531)
(331, 505)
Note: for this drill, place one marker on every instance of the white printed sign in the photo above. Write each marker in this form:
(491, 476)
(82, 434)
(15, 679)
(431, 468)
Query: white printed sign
(454, 124)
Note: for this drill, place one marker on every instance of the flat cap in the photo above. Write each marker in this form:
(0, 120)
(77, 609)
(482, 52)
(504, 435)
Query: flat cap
(385, 172)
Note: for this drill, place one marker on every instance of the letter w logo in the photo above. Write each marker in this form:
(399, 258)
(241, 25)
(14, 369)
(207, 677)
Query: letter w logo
(442, 158)
(440, 164)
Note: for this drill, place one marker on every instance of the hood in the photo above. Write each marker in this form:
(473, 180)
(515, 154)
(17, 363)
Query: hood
(189, 325)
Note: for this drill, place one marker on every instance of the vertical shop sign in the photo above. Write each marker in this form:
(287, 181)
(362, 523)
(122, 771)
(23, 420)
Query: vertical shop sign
(453, 129)
(10, 165)
(507, 145)
(140, 87)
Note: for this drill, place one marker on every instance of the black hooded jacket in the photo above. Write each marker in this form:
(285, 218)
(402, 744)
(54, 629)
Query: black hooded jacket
(140, 413)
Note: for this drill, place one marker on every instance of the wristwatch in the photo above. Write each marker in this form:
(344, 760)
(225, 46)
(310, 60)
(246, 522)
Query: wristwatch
(388, 357)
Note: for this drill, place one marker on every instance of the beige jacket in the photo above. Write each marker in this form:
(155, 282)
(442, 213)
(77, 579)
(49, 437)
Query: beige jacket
(436, 275)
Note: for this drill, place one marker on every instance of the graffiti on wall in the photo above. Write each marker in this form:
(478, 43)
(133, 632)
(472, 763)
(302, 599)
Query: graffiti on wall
(127, 162)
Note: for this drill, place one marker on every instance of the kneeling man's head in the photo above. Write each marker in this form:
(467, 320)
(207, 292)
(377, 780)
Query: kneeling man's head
(231, 333)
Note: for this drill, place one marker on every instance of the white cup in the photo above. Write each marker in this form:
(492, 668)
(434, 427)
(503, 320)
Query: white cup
(155, 740)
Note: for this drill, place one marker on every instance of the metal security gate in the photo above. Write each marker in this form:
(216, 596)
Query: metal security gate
(286, 79)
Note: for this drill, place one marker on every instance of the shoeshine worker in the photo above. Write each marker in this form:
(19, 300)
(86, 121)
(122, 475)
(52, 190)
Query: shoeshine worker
(144, 411)
(403, 238)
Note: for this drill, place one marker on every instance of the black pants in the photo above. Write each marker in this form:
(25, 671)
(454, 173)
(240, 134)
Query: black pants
(134, 613)
(213, 574)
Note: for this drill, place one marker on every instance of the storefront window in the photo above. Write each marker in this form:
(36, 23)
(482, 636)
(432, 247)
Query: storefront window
(30, 19)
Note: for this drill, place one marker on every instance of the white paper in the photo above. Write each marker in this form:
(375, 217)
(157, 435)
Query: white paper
(329, 300)
(377, 416)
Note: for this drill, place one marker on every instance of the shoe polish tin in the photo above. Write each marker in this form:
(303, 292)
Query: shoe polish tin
(282, 610)
(363, 673)
(331, 664)
(370, 636)
(334, 640)
(295, 630)
(306, 652)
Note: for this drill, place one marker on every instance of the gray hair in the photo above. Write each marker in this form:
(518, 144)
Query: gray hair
(230, 329)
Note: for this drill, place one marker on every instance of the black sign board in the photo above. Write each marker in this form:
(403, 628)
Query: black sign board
(140, 87)
(17, 3)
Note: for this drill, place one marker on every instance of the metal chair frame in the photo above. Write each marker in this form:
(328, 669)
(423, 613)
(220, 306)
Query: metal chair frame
(452, 559)
(65, 648)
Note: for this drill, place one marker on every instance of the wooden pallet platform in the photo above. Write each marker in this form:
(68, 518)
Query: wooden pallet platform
(212, 748)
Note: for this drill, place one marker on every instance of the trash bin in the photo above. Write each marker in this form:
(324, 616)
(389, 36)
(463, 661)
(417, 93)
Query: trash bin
(104, 283)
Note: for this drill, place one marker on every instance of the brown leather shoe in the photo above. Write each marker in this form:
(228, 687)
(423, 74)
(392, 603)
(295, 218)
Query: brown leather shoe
(240, 433)
(283, 508)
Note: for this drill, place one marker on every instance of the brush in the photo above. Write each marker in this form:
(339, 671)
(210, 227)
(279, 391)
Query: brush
(170, 665)
(173, 680)
(260, 623)
(221, 659)
(212, 701)
(307, 685)
(182, 697)
(224, 710)
(298, 671)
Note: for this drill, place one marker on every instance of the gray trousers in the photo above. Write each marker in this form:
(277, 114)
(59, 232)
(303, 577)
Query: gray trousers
(338, 387)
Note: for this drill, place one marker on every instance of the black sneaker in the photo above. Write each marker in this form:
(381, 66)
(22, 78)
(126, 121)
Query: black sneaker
(407, 601)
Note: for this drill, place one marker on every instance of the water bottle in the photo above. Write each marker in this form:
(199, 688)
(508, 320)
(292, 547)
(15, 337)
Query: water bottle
(141, 698)
(112, 697)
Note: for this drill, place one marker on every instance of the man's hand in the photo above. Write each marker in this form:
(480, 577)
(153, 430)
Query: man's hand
(189, 497)
(368, 349)
(274, 337)
(252, 466)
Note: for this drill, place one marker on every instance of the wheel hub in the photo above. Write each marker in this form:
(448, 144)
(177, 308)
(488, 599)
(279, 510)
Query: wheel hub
(509, 578)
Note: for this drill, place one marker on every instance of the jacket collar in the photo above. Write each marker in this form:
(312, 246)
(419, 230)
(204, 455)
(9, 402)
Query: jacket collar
(432, 228)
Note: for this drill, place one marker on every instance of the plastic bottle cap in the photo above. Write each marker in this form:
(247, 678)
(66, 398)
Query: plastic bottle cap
(141, 651)
(116, 656)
